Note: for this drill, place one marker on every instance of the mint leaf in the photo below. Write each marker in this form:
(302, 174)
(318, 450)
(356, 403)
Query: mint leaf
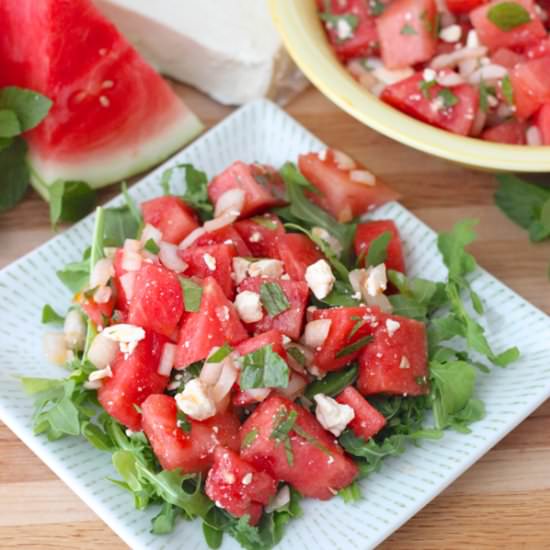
(273, 298)
(132, 206)
(50, 316)
(183, 422)
(378, 249)
(508, 15)
(353, 347)
(192, 184)
(192, 294)
(151, 246)
(507, 90)
(333, 383)
(425, 87)
(9, 124)
(407, 30)
(334, 19)
(220, 354)
(448, 97)
(30, 107)
(249, 438)
(14, 174)
(263, 368)
(70, 201)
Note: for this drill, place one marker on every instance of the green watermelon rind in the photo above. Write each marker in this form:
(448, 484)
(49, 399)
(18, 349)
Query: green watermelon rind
(104, 168)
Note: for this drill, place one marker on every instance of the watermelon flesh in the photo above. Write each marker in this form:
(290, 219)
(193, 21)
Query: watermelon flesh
(113, 116)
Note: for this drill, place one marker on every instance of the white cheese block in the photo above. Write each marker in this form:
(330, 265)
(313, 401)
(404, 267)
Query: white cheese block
(226, 48)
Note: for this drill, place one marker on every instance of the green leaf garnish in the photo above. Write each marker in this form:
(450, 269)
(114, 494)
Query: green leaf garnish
(448, 97)
(333, 383)
(249, 438)
(263, 368)
(151, 246)
(165, 521)
(30, 107)
(273, 298)
(14, 174)
(50, 316)
(192, 294)
(508, 15)
(407, 30)
(70, 201)
(220, 354)
(183, 422)
(9, 124)
(351, 493)
(507, 90)
(378, 249)
(353, 347)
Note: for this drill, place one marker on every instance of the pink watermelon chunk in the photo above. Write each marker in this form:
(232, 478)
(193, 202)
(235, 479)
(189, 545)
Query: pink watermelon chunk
(113, 115)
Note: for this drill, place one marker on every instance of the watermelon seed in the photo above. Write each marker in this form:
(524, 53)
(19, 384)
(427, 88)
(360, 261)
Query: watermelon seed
(104, 100)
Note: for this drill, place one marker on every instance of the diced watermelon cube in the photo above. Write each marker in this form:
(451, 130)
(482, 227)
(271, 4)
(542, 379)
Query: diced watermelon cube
(215, 324)
(507, 58)
(462, 6)
(135, 378)
(363, 40)
(238, 487)
(494, 37)
(315, 465)
(191, 451)
(172, 216)
(260, 235)
(539, 49)
(122, 301)
(542, 120)
(242, 176)
(531, 86)
(288, 322)
(157, 301)
(368, 232)
(511, 131)
(342, 194)
(367, 421)
(297, 252)
(407, 96)
(396, 361)
(225, 235)
(201, 260)
(408, 32)
(348, 325)
(273, 338)
(100, 314)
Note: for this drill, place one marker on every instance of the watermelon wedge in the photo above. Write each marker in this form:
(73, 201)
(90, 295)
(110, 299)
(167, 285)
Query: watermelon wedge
(113, 115)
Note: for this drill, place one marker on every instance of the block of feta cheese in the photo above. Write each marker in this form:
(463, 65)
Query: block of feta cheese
(229, 49)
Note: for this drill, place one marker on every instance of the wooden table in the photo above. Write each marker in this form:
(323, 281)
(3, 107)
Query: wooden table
(503, 501)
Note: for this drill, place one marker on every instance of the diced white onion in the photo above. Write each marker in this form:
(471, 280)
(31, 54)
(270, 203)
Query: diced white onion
(74, 330)
(449, 79)
(228, 377)
(532, 136)
(362, 176)
(101, 273)
(128, 281)
(316, 332)
(131, 261)
(100, 374)
(380, 300)
(450, 33)
(54, 347)
(488, 72)
(449, 60)
(150, 232)
(479, 123)
(210, 373)
(103, 294)
(132, 245)
(168, 255)
(296, 385)
(192, 237)
(231, 201)
(217, 223)
(343, 161)
(167, 359)
(258, 394)
(102, 352)
(391, 76)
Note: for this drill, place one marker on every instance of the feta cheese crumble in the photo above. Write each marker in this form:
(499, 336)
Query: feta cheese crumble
(126, 335)
(240, 269)
(210, 262)
(266, 268)
(249, 306)
(392, 327)
(282, 498)
(320, 279)
(333, 416)
(195, 401)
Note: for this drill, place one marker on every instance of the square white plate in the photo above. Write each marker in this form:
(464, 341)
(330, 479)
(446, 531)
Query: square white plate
(261, 131)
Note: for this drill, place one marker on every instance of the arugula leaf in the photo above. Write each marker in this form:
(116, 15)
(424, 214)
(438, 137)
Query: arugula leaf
(333, 383)
(521, 201)
(263, 368)
(132, 206)
(378, 249)
(14, 174)
(351, 493)
(353, 347)
(507, 90)
(30, 107)
(70, 201)
(508, 15)
(425, 87)
(448, 97)
(265, 222)
(193, 184)
(283, 425)
(192, 294)
(273, 298)
(165, 521)
(50, 316)
(213, 537)
(120, 224)
(98, 237)
(9, 124)
(75, 276)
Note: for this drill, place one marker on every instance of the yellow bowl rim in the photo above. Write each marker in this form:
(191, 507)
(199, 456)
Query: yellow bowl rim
(312, 53)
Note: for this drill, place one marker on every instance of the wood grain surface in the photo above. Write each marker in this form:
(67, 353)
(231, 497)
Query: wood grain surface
(501, 502)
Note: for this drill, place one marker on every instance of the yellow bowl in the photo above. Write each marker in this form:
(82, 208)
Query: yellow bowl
(305, 39)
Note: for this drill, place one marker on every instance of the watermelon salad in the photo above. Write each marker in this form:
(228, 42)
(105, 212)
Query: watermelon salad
(243, 343)
(473, 67)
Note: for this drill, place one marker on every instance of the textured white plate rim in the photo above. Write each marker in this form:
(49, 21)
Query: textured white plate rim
(134, 541)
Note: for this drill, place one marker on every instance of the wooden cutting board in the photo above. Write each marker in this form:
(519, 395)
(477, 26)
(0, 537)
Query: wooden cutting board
(501, 502)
